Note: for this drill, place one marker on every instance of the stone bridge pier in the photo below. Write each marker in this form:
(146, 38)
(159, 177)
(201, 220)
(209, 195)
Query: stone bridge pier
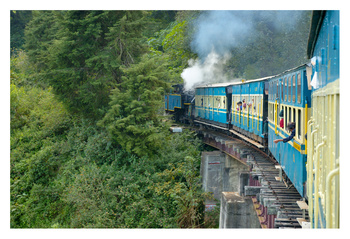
(226, 177)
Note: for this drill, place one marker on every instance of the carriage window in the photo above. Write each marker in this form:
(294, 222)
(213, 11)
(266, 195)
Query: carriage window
(289, 88)
(233, 103)
(294, 115)
(276, 87)
(266, 88)
(236, 101)
(271, 91)
(282, 85)
(249, 101)
(293, 88)
(259, 104)
(271, 86)
(299, 88)
(286, 85)
(280, 117)
(271, 117)
(289, 115)
(256, 102)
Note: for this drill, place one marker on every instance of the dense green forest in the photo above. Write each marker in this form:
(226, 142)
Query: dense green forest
(90, 145)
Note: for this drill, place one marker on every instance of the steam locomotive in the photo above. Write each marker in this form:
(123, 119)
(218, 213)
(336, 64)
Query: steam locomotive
(261, 110)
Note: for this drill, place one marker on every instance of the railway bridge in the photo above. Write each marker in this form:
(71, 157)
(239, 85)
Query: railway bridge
(247, 181)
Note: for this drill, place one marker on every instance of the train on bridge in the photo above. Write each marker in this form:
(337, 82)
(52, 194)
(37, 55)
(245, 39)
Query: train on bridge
(299, 106)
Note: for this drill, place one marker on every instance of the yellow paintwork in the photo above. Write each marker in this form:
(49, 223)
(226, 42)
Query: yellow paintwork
(323, 157)
(306, 119)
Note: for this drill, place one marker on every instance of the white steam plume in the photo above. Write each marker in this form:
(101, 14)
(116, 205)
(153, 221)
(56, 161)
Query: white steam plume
(218, 32)
(209, 71)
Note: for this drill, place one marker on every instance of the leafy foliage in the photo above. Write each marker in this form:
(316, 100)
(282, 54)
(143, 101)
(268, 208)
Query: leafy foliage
(173, 43)
(133, 120)
(79, 53)
(18, 19)
(183, 185)
(68, 173)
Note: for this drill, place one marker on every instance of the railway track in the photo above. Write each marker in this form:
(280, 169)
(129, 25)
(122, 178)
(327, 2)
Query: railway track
(276, 201)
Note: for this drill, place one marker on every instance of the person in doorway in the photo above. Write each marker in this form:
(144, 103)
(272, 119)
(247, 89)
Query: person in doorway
(251, 103)
(244, 104)
(239, 106)
(291, 128)
(281, 121)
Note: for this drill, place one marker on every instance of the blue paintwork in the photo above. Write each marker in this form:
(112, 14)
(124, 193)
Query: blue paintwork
(305, 93)
(327, 49)
(236, 119)
(220, 115)
(257, 88)
(209, 111)
(292, 161)
(174, 101)
(210, 106)
(245, 96)
(241, 119)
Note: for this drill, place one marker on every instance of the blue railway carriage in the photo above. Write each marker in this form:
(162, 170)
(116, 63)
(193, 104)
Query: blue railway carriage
(179, 103)
(173, 99)
(212, 104)
(289, 101)
(249, 119)
(323, 126)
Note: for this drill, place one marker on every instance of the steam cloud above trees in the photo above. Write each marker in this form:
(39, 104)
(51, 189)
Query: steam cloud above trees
(219, 32)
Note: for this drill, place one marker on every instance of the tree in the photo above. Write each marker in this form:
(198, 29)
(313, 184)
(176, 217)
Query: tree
(39, 35)
(182, 184)
(79, 53)
(133, 119)
(174, 43)
(19, 19)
